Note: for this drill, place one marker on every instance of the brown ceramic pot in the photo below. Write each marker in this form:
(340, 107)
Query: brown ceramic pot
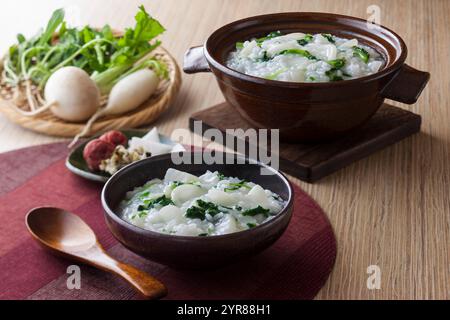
(195, 252)
(309, 111)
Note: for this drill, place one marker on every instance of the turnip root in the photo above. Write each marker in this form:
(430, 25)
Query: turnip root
(76, 95)
(126, 95)
(70, 94)
(130, 92)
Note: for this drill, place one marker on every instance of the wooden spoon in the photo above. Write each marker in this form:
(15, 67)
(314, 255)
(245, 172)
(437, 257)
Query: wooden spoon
(68, 235)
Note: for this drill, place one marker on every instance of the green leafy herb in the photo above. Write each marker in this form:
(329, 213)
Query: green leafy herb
(337, 64)
(209, 207)
(133, 46)
(54, 22)
(251, 225)
(221, 176)
(312, 78)
(225, 210)
(274, 34)
(150, 204)
(176, 184)
(106, 58)
(21, 38)
(304, 53)
(195, 213)
(334, 75)
(140, 214)
(239, 45)
(256, 211)
(264, 58)
(145, 30)
(275, 75)
(271, 35)
(233, 186)
(361, 53)
(144, 195)
(162, 201)
(201, 209)
(329, 37)
(307, 39)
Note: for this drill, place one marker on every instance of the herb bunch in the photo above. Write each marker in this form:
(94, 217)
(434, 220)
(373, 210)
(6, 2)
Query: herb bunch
(106, 57)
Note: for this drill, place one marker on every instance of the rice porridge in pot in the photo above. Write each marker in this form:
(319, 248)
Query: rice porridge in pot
(299, 57)
(212, 204)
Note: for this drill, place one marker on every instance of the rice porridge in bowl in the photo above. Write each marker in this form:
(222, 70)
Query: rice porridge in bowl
(299, 57)
(186, 205)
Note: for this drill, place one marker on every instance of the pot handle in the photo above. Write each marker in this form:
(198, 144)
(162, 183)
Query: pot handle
(195, 61)
(407, 85)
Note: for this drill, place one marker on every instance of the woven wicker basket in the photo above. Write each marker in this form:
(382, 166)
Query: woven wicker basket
(149, 111)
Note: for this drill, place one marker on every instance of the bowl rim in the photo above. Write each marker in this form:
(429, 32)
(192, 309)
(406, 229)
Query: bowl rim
(141, 231)
(396, 65)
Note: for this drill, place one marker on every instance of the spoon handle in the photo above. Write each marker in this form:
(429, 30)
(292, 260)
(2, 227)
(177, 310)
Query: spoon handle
(143, 282)
(140, 280)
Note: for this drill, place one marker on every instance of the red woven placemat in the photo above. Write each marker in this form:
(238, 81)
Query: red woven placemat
(295, 267)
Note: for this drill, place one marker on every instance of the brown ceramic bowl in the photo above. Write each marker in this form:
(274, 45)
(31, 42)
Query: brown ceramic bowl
(308, 111)
(194, 252)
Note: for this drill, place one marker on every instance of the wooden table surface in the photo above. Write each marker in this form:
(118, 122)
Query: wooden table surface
(392, 209)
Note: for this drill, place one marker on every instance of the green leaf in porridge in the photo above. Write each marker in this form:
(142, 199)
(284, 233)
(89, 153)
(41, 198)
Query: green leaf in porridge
(195, 213)
(304, 53)
(255, 211)
(361, 53)
(224, 208)
(144, 195)
(334, 75)
(209, 207)
(264, 58)
(307, 39)
(140, 214)
(329, 37)
(337, 63)
(251, 225)
(233, 186)
(275, 75)
(239, 45)
(150, 204)
(221, 176)
(202, 209)
(176, 184)
(274, 34)
(268, 37)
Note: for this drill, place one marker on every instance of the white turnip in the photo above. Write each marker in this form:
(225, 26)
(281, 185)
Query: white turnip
(76, 95)
(126, 95)
(71, 95)
(131, 92)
